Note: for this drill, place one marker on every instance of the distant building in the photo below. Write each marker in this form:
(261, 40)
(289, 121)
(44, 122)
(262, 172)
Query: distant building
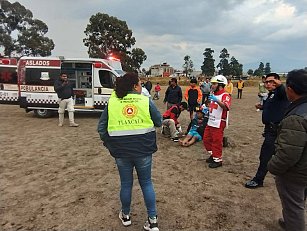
(162, 70)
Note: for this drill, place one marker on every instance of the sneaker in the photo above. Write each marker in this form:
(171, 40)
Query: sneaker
(175, 139)
(215, 164)
(73, 125)
(60, 125)
(125, 219)
(252, 184)
(210, 159)
(151, 224)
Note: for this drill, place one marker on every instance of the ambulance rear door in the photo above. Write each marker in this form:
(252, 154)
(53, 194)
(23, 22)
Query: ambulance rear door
(36, 84)
(8, 81)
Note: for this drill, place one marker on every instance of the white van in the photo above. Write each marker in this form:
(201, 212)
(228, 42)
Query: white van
(93, 82)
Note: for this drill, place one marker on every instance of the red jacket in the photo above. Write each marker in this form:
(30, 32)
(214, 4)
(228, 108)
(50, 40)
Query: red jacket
(157, 88)
(172, 113)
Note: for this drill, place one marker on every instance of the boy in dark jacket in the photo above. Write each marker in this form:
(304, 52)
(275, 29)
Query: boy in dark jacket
(289, 163)
(193, 96)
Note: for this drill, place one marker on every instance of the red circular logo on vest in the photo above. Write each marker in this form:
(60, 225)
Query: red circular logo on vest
(130, 111)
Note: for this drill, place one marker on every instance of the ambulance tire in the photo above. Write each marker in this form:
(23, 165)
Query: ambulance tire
(43, 113)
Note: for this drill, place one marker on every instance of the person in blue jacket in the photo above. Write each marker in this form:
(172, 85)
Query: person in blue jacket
(127, 129)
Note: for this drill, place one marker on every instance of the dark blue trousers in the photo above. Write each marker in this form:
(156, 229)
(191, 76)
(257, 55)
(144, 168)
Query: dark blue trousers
(266, 152)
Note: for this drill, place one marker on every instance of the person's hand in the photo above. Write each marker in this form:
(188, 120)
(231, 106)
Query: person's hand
(258, 106)
(205, 110)
(178, 127)
(212, 98)
(277, 82)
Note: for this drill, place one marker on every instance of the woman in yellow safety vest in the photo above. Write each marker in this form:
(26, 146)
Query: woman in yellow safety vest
(127, 129)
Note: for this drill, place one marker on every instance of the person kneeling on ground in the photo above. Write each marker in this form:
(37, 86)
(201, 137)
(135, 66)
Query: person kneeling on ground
(170, 120)
(198, 125)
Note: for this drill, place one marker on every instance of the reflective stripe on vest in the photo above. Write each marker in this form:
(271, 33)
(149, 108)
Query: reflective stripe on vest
(129, 115)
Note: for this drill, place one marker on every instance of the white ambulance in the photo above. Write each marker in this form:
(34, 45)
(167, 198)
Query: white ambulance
(92, 79)
(8, 81)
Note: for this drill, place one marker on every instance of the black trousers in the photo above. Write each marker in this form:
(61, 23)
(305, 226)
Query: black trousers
(240, 93)
(266, 153)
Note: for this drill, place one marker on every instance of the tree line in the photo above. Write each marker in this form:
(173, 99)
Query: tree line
(23, 35)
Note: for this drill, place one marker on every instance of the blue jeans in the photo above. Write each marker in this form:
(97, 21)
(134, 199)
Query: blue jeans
(143, 168)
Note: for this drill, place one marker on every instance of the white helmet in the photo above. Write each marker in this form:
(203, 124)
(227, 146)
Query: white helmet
(219, 79)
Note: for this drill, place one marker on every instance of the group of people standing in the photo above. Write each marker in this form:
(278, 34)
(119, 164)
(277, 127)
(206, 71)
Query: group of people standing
(127, 129)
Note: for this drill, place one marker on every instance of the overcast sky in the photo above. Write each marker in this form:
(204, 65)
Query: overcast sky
(252, 31)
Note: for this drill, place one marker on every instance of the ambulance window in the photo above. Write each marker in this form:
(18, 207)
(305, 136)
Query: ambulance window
(106, 78)
(8, 75)
(44, 77)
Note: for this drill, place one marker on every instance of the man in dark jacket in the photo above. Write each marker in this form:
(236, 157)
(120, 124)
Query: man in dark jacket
(173, 94)
(148, 86)
(273, 108)
(289, 163)
(65, 94)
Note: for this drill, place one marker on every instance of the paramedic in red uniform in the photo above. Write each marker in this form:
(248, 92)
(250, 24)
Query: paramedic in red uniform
(65, 94)
(218, 112)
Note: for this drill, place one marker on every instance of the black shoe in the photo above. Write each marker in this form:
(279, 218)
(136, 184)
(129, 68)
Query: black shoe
(215, 164)
(210, 159)
(282, 223)
(253, 184)
(175, 139)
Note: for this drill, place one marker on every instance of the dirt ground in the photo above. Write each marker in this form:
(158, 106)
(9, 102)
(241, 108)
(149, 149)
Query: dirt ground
(62, 178)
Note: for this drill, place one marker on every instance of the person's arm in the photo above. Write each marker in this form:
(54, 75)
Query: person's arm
(180, 95)
(59, 85)
(223, 104)
(231, 88)
(72, 91)
(173, 115)
(280, 90)
(186, 93)
(290, 145)
(155, 114)
(166, 95)
(200, 96)
(103, 124)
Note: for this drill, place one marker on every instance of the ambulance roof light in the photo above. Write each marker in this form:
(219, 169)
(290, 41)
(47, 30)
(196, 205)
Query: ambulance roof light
(98, 65)
(5, 61)
(113, 58)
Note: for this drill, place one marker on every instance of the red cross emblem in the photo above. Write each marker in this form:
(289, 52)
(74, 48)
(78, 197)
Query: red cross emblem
(213, 106)
(6, 76)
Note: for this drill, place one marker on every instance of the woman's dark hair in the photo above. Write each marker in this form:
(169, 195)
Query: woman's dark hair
(297, 80)
(125, 84)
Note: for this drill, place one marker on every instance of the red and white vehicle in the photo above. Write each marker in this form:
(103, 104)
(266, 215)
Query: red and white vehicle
(93, 81)
(8, 81)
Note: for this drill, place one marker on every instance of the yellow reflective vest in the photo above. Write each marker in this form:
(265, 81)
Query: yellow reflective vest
(129, 115)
